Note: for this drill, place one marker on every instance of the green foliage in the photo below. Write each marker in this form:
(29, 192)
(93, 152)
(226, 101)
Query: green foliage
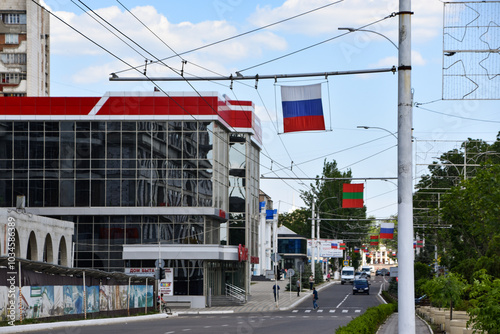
(298, 221)
(368, 322)
(422, 271)
(469, 207)
(473, 209)
(445, 290)
(485, 303)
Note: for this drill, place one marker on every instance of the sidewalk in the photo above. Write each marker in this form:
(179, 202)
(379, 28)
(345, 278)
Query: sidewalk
(390, 326)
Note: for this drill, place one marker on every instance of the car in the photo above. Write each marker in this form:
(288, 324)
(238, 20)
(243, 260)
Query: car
(361, 275)
(366, 270)
(360, 286)
(382, 272)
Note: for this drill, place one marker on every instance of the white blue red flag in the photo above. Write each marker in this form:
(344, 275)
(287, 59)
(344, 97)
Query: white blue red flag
(302, 108)
(386, 230)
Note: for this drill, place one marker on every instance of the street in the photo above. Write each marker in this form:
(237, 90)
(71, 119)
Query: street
(337, 307)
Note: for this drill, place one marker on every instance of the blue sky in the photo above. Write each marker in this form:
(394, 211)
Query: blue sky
(80, 68)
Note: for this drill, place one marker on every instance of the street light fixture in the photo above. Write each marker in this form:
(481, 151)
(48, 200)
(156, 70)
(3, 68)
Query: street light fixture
(376, 127)
(372, 31)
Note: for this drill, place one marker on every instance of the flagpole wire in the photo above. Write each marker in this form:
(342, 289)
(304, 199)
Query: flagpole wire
(329, 102)
(276, 108)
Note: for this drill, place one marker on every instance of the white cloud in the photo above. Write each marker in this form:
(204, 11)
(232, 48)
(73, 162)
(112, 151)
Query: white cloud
(416, 60)
(426, 22)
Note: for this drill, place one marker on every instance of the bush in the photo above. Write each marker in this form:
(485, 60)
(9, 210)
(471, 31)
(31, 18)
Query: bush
(368, 322)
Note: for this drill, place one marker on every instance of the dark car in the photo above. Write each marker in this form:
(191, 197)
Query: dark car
(360, 286)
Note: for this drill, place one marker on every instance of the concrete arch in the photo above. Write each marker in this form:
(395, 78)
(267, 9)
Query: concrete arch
(62, 258)
(32, 249)
(48, 250)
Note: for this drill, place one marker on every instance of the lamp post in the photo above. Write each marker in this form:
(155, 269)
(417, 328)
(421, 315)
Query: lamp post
(372, 31)
(317, 225)
(376, 127)
(406, 288)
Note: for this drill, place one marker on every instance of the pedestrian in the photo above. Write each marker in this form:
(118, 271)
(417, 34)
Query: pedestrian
(311, 282)
(298, 287)
(328, 277)
(276, 290)
(315, 298)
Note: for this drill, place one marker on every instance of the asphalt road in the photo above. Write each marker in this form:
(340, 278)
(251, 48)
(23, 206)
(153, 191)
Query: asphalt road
(338, 306)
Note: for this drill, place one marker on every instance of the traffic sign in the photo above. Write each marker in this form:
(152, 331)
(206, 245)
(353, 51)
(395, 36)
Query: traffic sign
(160, 263)
(346, 263)
(290, 272)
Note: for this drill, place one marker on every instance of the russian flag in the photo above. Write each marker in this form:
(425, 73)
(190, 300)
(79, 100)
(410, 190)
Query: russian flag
(386, 230)
(335, 245)
(302, 108)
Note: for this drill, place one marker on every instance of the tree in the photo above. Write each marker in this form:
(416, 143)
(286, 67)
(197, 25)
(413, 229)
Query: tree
(448, 172)
(485, 311)
(473, 209)
(445, 290)
(327, 195)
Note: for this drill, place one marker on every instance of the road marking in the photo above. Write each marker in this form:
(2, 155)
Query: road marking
(295, 311)
(345, 311)
(332, 311)
(343, 300)
(357, 311)
(308, 311)
(319, 311)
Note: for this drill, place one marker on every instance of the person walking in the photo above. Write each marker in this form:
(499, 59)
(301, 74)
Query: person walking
(315, 298)
(311, 282)
(276, 289)
(298, 287)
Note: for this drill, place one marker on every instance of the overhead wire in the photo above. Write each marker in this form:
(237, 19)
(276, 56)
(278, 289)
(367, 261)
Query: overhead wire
(245, 33)
(316, 44)
(417, 105)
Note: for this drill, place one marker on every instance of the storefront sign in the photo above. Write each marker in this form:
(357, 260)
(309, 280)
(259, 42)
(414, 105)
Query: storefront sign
(166, 285)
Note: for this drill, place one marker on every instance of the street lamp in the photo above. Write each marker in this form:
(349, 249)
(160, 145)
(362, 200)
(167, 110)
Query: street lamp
(372, 31)
(376, 127)
(317, 226)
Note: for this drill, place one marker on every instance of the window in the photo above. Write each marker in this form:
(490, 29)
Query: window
(13, 58)
(12, 78)
(14, 18)
(11, 39)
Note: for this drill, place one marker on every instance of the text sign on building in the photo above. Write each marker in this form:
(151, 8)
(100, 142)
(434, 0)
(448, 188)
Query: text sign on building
(166, 285)
(141, 271)
(327, 248)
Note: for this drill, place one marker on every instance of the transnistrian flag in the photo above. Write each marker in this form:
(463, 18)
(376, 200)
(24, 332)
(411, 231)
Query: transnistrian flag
(420, 243)
(302, 108)
(386, 230)
(352, 196)
(373, 240)
(342, 246)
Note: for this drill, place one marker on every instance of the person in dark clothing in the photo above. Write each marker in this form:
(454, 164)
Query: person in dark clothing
(315, 298)
(276, 289)
(298, 287)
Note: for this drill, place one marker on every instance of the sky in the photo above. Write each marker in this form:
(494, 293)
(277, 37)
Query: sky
(81, 66)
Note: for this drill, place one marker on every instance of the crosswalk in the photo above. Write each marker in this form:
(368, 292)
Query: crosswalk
(342, 311)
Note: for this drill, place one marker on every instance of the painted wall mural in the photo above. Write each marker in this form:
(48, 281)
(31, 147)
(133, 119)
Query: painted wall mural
(48, 301)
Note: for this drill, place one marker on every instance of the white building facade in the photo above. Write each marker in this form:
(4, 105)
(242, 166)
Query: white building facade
(24, 49)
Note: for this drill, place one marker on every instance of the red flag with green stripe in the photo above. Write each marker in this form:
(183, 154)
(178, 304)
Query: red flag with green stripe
(342, 246)
(352, 195)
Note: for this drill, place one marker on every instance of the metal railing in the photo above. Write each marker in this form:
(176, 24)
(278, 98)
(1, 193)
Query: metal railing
(235, 292)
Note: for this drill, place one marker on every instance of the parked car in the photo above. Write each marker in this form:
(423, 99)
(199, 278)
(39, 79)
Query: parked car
(361, 286)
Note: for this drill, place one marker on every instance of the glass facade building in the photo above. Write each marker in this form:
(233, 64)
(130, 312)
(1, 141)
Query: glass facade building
(136, 170)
